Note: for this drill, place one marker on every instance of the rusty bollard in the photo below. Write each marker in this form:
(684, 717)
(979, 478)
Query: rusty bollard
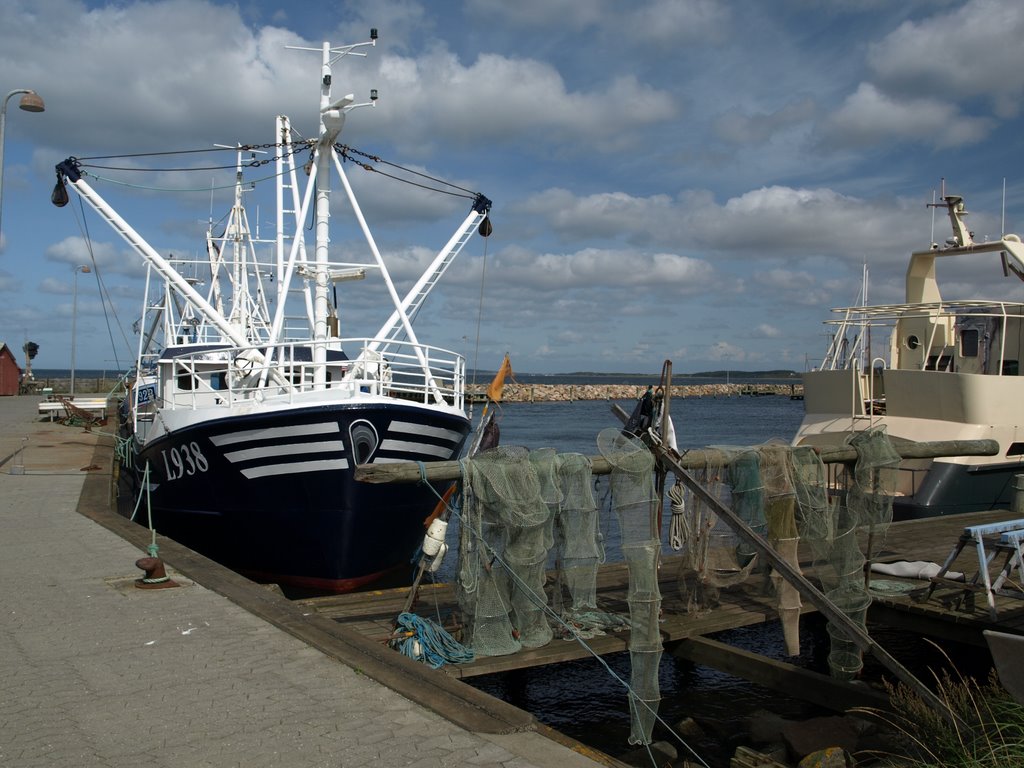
(156, 575)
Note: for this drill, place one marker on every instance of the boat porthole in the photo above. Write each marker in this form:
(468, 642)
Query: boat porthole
(363, 441)
(913, 342)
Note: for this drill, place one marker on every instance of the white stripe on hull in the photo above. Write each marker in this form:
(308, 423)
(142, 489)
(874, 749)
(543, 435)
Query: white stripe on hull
(295, 468)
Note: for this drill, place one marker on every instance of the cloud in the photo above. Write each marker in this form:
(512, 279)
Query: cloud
(9, 283)
(766, 331)
(604, 270)
(869, 117)
(971, 52)
(513, 99)
(658, 22)
(736, 127)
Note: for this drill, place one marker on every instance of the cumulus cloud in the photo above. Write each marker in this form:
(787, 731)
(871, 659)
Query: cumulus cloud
(603, 269)
(72, 251)
(869, 116)
(938, 57)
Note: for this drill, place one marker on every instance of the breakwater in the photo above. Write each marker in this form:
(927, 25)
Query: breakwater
(540, 393)
(513, 393)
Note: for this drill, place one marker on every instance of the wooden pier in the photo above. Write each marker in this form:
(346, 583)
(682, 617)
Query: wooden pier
(951, 613)
(955, 613)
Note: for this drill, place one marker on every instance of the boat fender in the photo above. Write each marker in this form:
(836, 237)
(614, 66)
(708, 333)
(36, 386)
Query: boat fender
(434, 539)
(436, 564)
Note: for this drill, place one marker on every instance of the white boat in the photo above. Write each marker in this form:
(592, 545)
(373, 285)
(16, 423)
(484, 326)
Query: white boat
(249, 412)
(951, 372)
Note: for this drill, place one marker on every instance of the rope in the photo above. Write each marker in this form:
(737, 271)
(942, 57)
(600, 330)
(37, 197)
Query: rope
(677, 528)
(427, 641)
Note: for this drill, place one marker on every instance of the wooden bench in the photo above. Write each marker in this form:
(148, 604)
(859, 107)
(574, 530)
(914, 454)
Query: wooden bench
(94, 405)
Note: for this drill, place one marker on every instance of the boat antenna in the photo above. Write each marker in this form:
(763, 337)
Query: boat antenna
(933, 206)
(1002, 214)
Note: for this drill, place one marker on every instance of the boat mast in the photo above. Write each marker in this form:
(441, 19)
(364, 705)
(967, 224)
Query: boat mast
(332, 119)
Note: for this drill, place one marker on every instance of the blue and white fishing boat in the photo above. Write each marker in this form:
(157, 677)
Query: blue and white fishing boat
(250, 413)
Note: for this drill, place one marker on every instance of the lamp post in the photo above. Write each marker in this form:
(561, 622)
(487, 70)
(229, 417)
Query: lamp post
(30, 102)
(74, 321)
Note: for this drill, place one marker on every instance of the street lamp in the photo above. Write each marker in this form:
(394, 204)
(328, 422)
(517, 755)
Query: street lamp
(74, 321)
(30, 102)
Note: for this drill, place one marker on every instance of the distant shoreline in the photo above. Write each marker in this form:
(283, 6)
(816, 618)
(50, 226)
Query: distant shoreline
(514, 392)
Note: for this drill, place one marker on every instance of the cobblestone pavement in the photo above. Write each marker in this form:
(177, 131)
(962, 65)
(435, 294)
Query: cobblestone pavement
(98, 673)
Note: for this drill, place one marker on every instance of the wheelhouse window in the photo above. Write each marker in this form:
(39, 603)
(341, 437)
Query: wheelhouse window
(186, 380)
(969, 342)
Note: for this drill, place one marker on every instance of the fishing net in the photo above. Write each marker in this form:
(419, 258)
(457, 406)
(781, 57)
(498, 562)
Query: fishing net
(758, 484)
(840, 532)
(579, 544)
(636, 506)
(709, 561)
(521, 509)
(503, 520)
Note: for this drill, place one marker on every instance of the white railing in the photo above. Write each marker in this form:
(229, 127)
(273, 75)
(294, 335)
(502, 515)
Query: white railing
(229, 377)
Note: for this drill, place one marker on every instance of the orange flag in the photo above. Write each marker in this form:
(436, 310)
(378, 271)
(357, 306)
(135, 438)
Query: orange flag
(497, 386)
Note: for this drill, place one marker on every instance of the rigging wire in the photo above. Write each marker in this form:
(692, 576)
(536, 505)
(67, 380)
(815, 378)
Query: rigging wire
(83, 226)
(346, 152)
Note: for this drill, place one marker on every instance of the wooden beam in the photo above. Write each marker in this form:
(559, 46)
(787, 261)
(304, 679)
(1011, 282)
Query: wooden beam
(805, 684)
(412, 472)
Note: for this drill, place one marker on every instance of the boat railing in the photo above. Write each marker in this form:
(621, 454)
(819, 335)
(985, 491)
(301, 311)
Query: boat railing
(942, 318)
(287, 372)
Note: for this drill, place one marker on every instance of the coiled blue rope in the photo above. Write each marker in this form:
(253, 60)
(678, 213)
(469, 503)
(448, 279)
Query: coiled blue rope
(427, 641)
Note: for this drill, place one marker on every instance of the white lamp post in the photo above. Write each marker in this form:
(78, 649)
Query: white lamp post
(30, 102)
(74, 321)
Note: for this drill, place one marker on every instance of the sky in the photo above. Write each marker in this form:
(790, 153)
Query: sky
(698, 181)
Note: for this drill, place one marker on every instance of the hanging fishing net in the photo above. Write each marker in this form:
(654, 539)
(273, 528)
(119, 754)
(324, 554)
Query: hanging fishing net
(709, 548)
(578, 552)
(637, 508)
(521, 511)
(845, 530)
(503, 521)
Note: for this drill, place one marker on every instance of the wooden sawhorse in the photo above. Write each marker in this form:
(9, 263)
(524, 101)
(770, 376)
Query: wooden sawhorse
(975, 534)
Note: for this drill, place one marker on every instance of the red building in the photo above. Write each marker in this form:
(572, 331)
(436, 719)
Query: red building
(10, 373)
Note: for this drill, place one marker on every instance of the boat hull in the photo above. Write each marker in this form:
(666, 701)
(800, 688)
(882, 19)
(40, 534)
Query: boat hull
(273, 495)
(926, 406)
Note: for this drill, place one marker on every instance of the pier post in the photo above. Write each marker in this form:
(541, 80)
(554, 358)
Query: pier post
(1017, 502)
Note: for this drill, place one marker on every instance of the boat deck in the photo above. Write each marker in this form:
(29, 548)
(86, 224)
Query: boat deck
(944, 615)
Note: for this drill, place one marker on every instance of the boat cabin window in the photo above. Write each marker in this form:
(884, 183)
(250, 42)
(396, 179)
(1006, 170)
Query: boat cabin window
(913, 342)
(939, 363)
(969, 343)
(1015, 449)
(218, 381)
(186, 381)
(1011, 368)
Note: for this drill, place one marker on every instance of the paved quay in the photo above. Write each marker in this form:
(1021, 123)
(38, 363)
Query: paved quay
(218, 672)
